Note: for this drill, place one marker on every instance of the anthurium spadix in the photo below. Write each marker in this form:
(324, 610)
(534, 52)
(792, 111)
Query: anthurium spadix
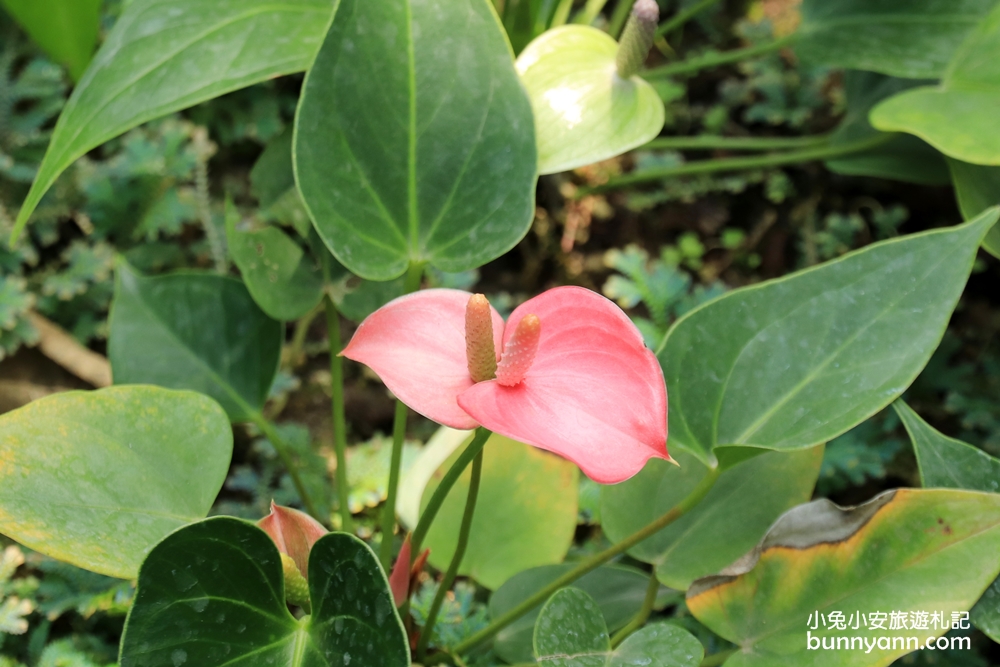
(568, 373)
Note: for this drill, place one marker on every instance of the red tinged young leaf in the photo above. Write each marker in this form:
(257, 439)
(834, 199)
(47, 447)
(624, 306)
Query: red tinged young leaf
(294, 533)
(404, 576)
(574, 377)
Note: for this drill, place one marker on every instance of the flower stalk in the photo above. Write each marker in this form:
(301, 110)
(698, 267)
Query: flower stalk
(339, 417)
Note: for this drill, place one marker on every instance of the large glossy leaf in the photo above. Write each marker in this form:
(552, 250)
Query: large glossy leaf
(958, 116)
(164, 56)
(282, 278)
(584, 111)
(902, 157)
(952, 464)
(794, 362)
(212, 594)
(97, 478)
(197, 331)
(525, 516)
(570, 632)
(618, 591)
(725, 525)
(906, 38)
(908, 550)
(977, 189)
(66, 29)
(414, 141)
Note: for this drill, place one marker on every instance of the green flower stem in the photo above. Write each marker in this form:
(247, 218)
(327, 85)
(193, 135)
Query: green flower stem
(589, 12)
(587, 565)
(339, 417)
(821, 152)
(456, 559)
(683, 17)
(280, 446)
(561, 15)
(695, 65)
(736, 143)
(412, 284)
(716, 659)
(441, 492)
(640, 618)
(618, 18)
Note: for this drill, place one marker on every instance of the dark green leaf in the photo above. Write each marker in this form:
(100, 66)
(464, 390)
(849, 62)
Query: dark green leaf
(570, 632)
(197, 331)
(283, 280)
(725, 525)
(767, 365)
(907, 38)
(66, 29)
(618, 591)
(903, 157)
(98, 478)
(212, 594)
(273, 174)
(414, 140)
(977, 189)
(165, 56)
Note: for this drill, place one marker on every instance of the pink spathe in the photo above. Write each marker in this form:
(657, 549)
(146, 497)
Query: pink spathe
(593, 393)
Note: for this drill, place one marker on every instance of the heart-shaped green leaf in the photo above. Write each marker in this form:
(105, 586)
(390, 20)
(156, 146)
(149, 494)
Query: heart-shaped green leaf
(570, 632)
(957, 117)
(977, 188)
(766, 365)
(952, 464)
(165, 56)
(908, 550)
(66, 29)
(910, 38)
(725, 525)
(584, 111)
(197, 331)
(525, 516)
(618, 591)
(414, 140)
(273, 174)
(97, 478)
(213, 594)
(902, 157)
(284, 281)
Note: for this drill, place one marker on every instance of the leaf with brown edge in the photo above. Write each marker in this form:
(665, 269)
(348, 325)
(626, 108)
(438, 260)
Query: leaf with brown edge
(906, 550)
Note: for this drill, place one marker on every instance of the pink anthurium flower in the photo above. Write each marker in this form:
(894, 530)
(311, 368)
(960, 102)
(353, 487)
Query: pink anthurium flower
(568, 373)
(294, 533)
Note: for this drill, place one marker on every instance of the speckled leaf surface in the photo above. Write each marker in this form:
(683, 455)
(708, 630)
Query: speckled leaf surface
(905, 38)
(212, 594)
(584, 111)
(952, 464)
(958, 117)
(570, 632)
(197, 331)
(414, 140)
(97, 478)
(908, 550)
(618, 591)
(284, 281)
(796, 361)
(977, 188)
(525, 517)
(161, 57)
(731, 519)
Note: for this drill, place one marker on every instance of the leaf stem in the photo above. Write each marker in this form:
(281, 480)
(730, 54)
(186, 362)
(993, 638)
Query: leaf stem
(618, 18)
(640, 618)
(683, 17)
(589, 12)
(441, 492)
(587, 565)
(456, 559)
(709, 142)
(821, 152)
(561, 14)
(339, 416)
(698, 63)
(412, 284)
(280, 446)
